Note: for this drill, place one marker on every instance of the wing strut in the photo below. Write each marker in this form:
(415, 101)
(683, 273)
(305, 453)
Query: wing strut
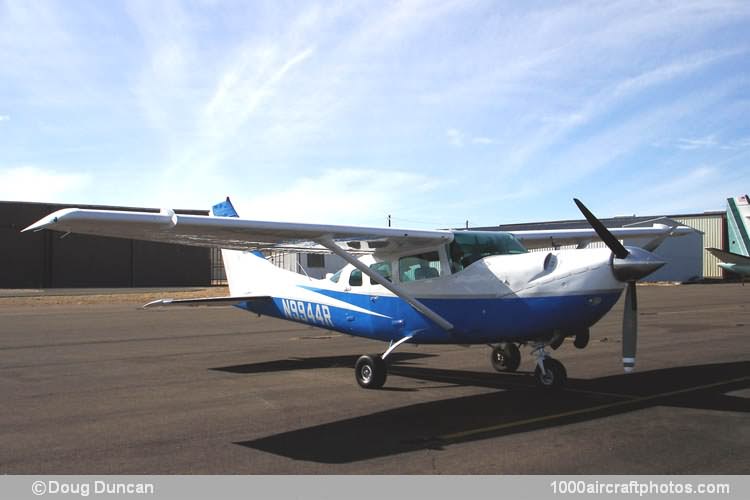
(393, 287)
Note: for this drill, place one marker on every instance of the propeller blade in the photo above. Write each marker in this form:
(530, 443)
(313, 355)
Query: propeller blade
(629, 328)
(607, 237)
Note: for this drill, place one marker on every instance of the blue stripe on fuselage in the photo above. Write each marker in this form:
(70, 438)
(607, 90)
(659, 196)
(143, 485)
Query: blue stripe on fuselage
(476, 321)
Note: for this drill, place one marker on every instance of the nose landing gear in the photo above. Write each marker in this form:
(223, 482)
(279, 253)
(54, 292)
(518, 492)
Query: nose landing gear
(550, 373)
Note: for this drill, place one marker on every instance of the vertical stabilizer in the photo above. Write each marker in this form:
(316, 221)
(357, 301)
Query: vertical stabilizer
(245, 270)
(738, 224)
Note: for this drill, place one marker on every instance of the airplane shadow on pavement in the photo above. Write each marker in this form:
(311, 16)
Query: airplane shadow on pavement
(516, 407)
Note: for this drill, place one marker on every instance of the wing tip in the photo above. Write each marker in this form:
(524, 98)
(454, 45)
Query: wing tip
(50, 220)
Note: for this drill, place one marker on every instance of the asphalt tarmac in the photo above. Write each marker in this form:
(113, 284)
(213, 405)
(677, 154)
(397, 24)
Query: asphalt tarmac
(112, 389)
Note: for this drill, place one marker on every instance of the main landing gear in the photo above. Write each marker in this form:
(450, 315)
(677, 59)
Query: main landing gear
(371, 370)
(506, 357)
(550, 374)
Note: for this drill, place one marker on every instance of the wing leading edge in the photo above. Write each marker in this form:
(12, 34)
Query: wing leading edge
(581, 237)
(224, 232)
(245, 234)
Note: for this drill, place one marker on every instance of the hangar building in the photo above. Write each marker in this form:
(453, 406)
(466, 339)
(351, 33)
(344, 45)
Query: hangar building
(45, 260)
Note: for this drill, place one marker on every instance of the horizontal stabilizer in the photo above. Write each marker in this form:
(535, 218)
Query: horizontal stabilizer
(729, 257)
(209, 301)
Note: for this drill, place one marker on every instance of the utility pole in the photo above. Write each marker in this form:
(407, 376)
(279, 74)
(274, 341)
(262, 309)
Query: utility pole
(389, 220)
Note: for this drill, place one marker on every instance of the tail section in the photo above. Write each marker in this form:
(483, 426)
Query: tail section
(246, 271)
(738, 225)
(224, 209)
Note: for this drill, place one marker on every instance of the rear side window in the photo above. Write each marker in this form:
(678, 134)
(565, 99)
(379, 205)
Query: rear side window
(355, 278)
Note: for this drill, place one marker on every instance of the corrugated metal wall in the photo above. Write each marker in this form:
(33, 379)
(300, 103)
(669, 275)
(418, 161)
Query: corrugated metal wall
(712, 227)
(44, 260)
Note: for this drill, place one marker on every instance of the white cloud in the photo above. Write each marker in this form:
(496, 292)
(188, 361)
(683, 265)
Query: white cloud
(697, 143)
(4, 118)
(482, 140)
(455, 137)
(339, 196)
(29, 183)
(459, 139)
(740, 144)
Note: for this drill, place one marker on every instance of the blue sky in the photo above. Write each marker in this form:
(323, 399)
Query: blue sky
(343, 112)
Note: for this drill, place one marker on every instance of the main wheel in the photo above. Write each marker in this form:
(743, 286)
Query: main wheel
(506, 357)
(582, 339)
(554, 375)
(370, 371)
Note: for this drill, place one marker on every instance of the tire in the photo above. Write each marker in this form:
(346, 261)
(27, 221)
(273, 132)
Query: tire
(506, 357)
(554, 377)
(582, 340)
(370, 371)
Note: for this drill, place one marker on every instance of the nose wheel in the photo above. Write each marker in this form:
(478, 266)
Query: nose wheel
(550, 374)
(506, 357)
(553, 376)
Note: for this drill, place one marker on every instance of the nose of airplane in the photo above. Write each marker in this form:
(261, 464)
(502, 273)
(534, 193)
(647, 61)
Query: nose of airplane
(638, 264)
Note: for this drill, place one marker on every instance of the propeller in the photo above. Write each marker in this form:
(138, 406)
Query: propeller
(628, 265)
(608, 238)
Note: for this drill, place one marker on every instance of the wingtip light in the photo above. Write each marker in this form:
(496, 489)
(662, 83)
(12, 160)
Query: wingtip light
(40, 224)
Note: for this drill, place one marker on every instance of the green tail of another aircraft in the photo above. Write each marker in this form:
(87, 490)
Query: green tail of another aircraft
(737, 259)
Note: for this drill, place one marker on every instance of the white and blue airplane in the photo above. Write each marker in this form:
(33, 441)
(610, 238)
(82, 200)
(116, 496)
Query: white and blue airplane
(415, 286)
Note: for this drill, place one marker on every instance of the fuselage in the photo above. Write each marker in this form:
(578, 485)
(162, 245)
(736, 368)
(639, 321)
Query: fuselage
(518, 297)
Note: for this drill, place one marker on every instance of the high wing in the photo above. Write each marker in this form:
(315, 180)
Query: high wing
(227, 232)
(244, 234)
(581, 237)
(729, 257)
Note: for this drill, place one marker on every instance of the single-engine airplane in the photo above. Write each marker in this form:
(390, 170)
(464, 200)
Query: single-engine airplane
(737, 259)
(416, 286)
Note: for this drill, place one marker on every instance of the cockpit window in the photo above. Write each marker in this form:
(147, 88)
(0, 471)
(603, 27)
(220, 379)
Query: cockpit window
(419, 267)
(383, 269)
(468, 247)
(336, 276)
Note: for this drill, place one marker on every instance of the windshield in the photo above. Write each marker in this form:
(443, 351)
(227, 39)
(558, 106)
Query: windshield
(468, 247)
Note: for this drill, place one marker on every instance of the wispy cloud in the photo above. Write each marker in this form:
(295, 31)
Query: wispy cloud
(455, 137)
(4, 118)
(458, 138)
(344, 195)
(180, 103)
(708, 141)
(30, 183)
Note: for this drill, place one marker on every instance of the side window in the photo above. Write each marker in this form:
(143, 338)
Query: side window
(383, 269)
(355, 278)
(419, 267)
